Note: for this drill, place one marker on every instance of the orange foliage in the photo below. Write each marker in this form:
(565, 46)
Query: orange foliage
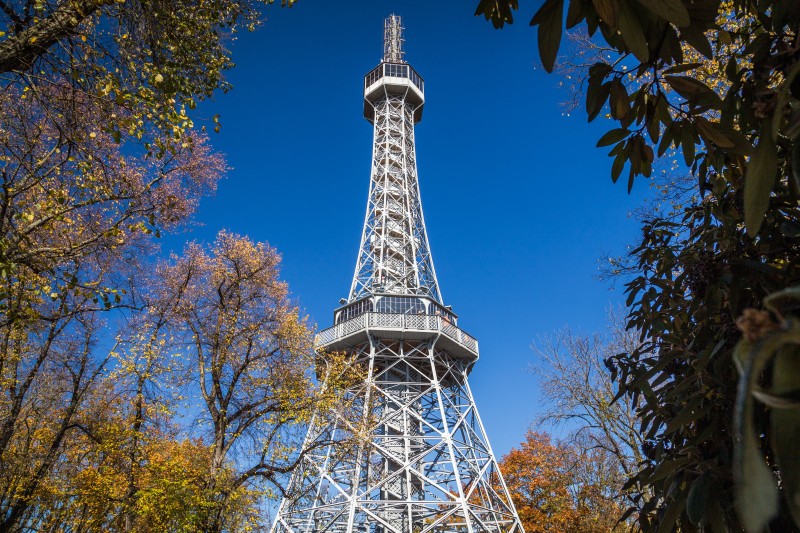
(552, 488)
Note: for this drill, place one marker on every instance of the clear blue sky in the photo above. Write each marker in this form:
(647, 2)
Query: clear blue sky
(518, 201)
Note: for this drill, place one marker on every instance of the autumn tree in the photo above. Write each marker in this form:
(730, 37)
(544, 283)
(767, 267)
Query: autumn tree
(73, 222)
(557, 487)
(249, 367)
(717, 82)
(581, 398)
(199, 412)
(97, 155)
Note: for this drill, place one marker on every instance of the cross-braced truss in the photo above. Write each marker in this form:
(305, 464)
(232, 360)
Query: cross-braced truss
(394, 256)
(427, 467)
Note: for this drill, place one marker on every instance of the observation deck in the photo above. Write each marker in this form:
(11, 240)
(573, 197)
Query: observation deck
(393, 78)
(397, 317)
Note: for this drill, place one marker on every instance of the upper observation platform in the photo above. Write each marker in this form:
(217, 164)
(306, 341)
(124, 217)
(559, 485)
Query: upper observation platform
(393, 79)
(392, 316)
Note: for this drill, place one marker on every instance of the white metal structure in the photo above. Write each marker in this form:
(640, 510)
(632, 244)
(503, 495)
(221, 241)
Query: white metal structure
(427, 465)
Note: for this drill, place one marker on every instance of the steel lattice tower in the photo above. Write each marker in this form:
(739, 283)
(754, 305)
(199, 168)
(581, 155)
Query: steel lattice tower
(429, 466)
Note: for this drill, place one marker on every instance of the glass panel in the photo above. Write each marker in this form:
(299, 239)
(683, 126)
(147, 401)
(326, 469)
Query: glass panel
(355, 309)
(400, 304)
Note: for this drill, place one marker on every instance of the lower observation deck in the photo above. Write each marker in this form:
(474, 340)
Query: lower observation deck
(354, 331)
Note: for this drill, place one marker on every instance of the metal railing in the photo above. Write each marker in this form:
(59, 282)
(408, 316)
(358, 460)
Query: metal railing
(396, 321)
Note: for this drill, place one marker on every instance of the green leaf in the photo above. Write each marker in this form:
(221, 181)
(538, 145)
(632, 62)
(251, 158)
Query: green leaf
(796, 163)
(613, 136)
(670, 10)
(758, 493)
(631, 29)
(666, 140)
(653, 129)
(607, 11)
(697, 38)
(575, 13)
(617, 166)
(786, 424)
(713, 132)
(756, 486)
(687, 144)
(759, 181)
(549, 18)
(695, 91)
(697, 501)
(619, 100)
(596, 94)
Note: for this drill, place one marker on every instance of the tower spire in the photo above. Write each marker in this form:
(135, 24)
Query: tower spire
(393, 40)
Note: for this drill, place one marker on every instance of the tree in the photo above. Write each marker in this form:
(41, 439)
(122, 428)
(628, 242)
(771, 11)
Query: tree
(97, 154)
(196, 415)
(249, 364)
(576, 383)
(719, 415)
(146, 61)
(556, 487)
(72, 221)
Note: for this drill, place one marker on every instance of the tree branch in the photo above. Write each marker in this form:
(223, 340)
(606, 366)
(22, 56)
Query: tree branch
(18, 52)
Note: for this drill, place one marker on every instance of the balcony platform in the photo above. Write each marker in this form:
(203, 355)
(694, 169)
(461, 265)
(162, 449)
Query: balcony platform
(352, 332)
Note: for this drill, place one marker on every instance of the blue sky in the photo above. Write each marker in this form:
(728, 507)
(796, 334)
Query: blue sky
(518, 201)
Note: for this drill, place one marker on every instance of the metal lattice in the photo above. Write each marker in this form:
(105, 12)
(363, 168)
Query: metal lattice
(394, 256)
(426, 465)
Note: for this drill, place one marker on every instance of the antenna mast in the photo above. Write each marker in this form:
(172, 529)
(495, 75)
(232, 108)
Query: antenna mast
(393, 40)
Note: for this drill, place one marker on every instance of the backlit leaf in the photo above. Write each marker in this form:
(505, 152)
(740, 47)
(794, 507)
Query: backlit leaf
(670, 10)
(759, 181)
(613, 136)
(549, 18)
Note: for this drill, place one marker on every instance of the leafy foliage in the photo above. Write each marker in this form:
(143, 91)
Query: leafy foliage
(98, 155)
(717, 81)
(556, 487)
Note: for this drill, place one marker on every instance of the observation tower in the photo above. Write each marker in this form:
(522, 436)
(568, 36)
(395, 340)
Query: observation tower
(426, 464)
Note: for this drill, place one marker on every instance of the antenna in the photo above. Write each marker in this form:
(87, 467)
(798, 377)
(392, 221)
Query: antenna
(393, 40)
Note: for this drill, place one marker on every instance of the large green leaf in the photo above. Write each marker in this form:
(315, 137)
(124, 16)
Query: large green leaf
(607, 11)
(695, 91)
(632, 32)
(670, 10)
(796, 163)
(786, 422)
(576, 12)
(697, 38)
(757, 490)
(760, 178)
(549, 19)
(613, 136)
(697, 501)
(714, 132)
